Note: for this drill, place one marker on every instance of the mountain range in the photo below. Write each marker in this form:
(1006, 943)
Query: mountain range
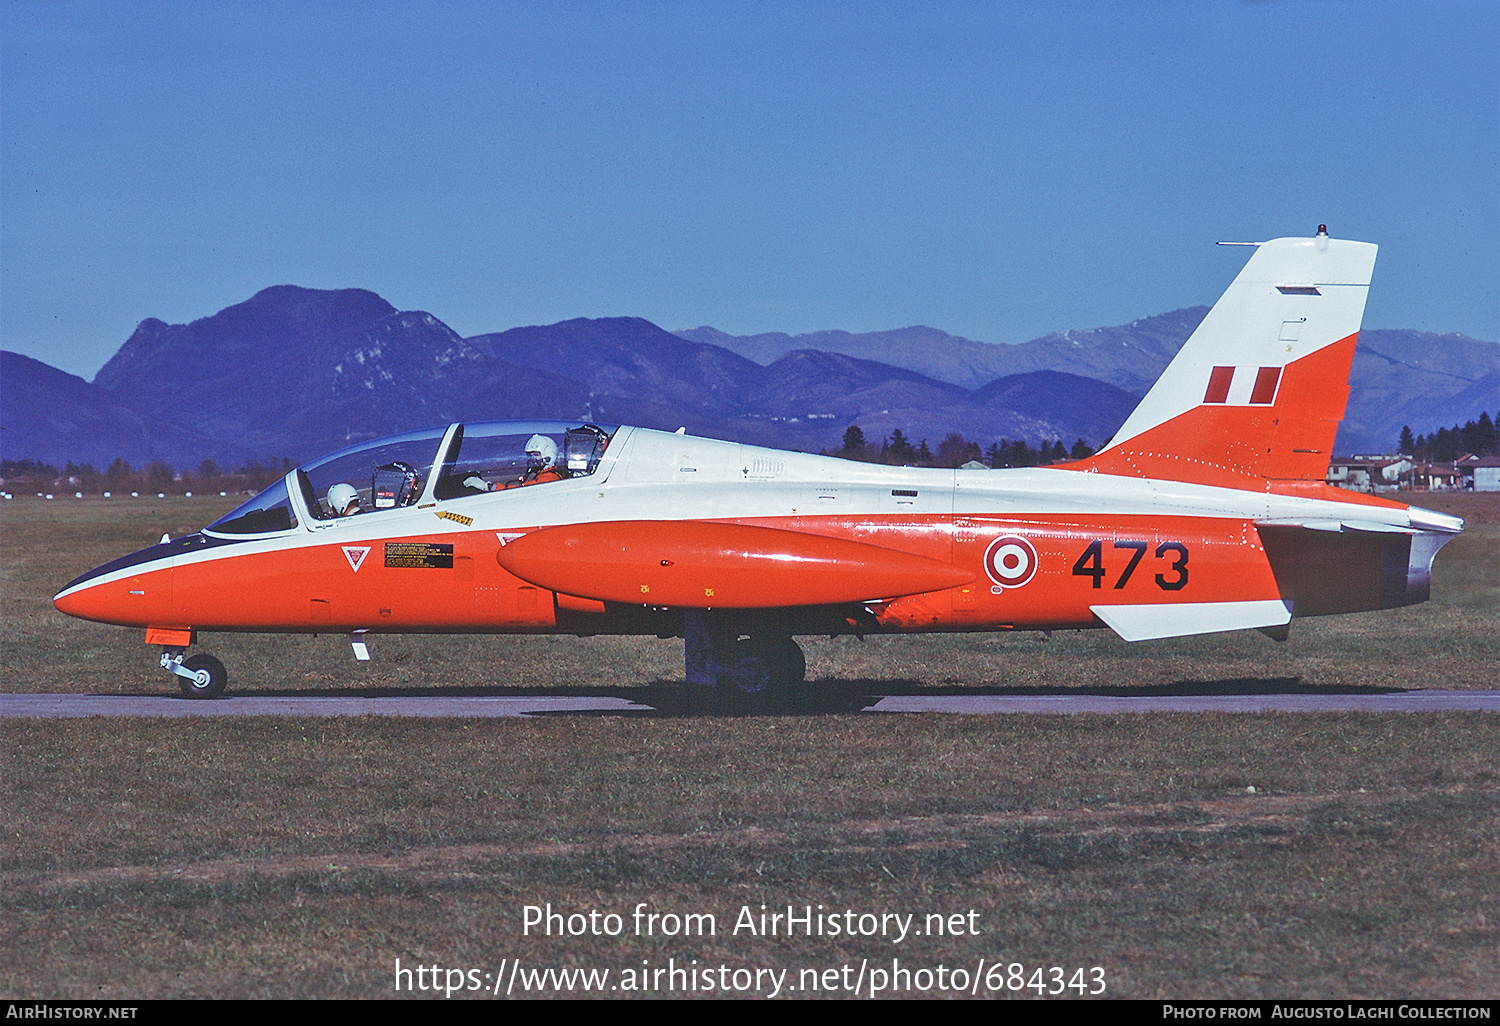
(295, 372)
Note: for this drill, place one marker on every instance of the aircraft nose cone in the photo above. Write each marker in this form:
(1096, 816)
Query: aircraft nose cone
(67, 603)
(132, 591)
(88, 603)
(134, 601)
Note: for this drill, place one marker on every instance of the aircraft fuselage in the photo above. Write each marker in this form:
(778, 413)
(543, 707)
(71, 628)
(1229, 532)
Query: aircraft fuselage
(1039, 549)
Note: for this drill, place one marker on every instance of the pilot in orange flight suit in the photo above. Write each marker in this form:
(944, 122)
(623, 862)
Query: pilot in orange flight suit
(541, 462)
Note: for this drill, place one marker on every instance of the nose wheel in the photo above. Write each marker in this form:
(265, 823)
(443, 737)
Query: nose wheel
(199, 676)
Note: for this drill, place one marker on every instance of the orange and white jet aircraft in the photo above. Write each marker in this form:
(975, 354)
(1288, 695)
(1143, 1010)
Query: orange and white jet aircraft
(1207, 512)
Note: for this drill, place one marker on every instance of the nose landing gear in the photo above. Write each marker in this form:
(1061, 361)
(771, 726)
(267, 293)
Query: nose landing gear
(199, 676)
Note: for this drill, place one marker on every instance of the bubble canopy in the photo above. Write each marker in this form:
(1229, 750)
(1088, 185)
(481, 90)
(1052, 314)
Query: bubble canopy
(436, 463)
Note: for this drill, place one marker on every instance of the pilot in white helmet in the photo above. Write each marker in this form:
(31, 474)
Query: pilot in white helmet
(541, 460)
(343, 500)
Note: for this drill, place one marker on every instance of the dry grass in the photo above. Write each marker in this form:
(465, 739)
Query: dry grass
(302, 857)
(284, 857)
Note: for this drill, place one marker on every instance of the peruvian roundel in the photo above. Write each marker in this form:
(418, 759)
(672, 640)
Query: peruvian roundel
(1010, 561)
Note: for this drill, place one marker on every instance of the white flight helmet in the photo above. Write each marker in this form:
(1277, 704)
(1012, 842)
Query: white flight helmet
(343, 499)
(542, 452)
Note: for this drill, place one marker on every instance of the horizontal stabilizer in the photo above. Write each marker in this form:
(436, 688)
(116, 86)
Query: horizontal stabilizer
(696, 564)
(1174, 620)
(1338, 526)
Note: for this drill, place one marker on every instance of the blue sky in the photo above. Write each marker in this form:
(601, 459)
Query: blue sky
(995, 170)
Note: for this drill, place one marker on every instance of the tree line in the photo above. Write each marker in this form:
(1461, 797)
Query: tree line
(954, 450)
(156, 476)
(1477, 437)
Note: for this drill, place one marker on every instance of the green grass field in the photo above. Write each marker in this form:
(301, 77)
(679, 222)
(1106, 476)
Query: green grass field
(1339, 855)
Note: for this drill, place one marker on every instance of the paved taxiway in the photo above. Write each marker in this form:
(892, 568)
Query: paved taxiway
(52, 706)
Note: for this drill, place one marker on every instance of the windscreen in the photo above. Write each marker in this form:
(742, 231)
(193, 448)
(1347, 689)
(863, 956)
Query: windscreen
(267, 513)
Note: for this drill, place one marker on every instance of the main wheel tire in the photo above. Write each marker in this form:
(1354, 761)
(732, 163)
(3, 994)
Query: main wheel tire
(209, 677)
(788, 689)
(791, 664)
(769, 673)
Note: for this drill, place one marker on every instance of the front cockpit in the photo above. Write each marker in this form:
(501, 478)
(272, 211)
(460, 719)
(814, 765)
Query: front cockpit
(421, 467)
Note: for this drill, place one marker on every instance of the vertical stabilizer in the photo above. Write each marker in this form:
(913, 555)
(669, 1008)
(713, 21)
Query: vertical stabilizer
(1259, 389)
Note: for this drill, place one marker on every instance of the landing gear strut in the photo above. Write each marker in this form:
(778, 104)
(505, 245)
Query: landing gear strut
(199, 676)
(741, 666)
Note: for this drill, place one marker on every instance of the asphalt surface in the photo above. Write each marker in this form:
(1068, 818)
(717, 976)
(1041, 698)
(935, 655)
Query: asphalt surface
(55, 706)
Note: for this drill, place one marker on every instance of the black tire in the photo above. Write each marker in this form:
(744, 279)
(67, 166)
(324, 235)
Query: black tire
(209, 680)
(769, 674)
(788, 691)
(769, 663)
(752, 670)
(791, 671)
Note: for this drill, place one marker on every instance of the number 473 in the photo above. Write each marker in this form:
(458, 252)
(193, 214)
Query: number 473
(1091, 563)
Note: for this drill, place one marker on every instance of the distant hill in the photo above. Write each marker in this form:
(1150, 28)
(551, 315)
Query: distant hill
(54, 417)
(295, 372)
(1420, 378)
(1088, 408)
(1399, 377)
(289, 370)
(627, 370)
(932, 353)
(1131, 356)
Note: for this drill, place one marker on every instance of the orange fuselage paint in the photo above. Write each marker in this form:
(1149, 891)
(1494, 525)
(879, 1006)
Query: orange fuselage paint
(1040, 571)
(1140, 559)
(423, 583)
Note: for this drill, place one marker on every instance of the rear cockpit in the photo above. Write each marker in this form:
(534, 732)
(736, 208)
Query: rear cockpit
(419, 468)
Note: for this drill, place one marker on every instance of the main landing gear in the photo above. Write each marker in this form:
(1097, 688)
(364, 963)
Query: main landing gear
(741, 666)
(199, 676)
